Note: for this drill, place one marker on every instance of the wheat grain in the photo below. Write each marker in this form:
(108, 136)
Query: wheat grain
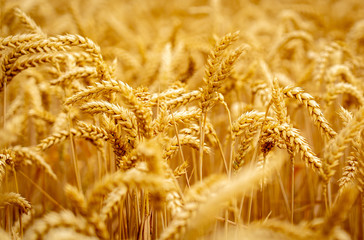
(347, 88)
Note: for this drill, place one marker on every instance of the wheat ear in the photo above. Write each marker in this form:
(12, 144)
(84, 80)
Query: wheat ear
(28, 22)
(313, 108)
(335, 148)
(15, 199)
(340, 88)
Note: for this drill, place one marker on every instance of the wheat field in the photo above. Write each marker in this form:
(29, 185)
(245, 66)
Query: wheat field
(238, 119)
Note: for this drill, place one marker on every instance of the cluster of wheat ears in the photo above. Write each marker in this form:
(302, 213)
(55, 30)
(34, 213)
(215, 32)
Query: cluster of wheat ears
(181, 119)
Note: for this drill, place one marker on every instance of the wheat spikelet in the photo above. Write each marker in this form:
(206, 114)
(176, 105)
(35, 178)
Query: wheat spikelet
(322, 61)
(110, 205)
(292, 137)
(349, 171)
(245, 120)
(210, 132)
(18, 156)
(184, 139)
(3, 166)
(183, 99)
(14, 41)
(52, 44)
(343, 70)
(185, 116)
(75, 73)
(340, 88)
(358, 155)
(335, 148)
(142, 113)
(28, 22)
(124, 118)
(14, 199)
(77, 199)
(87, 131)
(43, 115)
(174, 203)
(345, 115)
(278, 103)
(313, 108)
(261, 89)
(247, 126)
(167, 95)
(215, 74)
(40, 59)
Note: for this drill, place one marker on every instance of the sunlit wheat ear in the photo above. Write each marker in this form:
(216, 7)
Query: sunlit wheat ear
(176, 118)
(314, 109)
(345, 115)
(39, 59)
(19, 156)
(245, 120)
(142, 113)
(346, 88)
(278, 103)
(52, 45)
(210, 132)
(14, 41)
(86, 131)
(334, 150)
(341, 70)
(28, 22)
(168, 95)
(211, 79)
(124, 117)
(292, 137)
(43, 115)
(246, 127)
(183, 99)
(77, 200)
(358, 155)
(184, 139)
(14, 199)
(111, 203)
(353, 170)
(322, 61)
(75, 74)
(216, 72)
